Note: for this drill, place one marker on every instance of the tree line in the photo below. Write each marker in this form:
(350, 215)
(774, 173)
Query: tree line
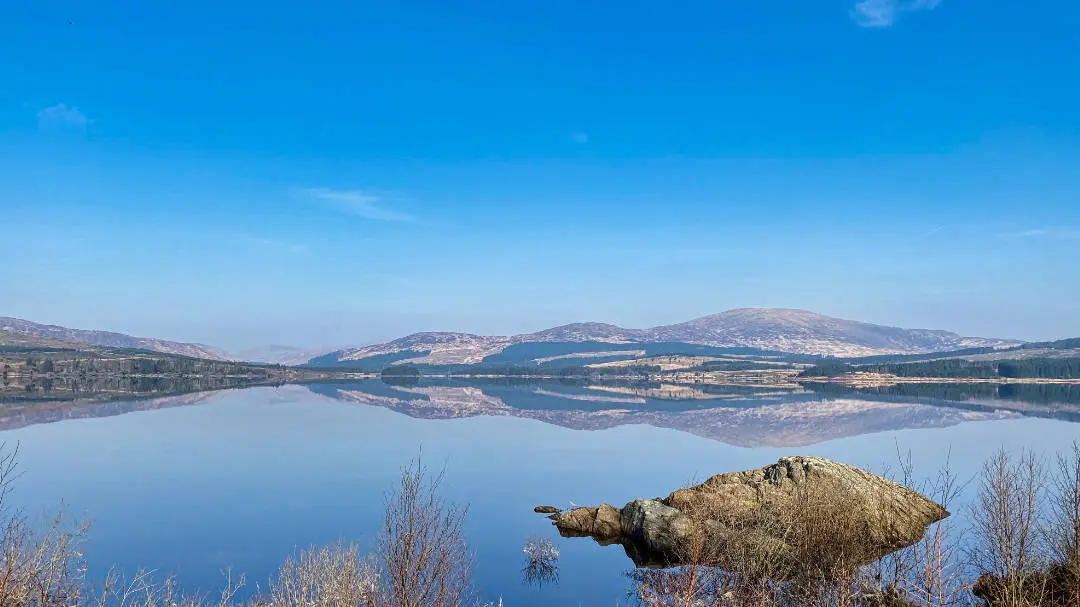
(133, 365)
(955, 368)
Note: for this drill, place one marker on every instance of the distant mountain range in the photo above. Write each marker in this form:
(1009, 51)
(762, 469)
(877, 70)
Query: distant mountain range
(755, 330)
(50, 335)
(279, 355)
(760, 329)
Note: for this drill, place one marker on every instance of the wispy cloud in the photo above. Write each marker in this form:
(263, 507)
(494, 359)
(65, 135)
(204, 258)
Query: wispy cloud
(928, 233)
(883, 13)
(361, 204)
(1052, 232)
(61, 116)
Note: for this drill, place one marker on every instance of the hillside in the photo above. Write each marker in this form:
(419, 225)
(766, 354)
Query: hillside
(279, 355)
(809, 333)
(109, 339)
(755, 330)
(19, 341)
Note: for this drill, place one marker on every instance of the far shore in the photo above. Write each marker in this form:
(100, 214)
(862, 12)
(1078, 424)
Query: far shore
(877, 380)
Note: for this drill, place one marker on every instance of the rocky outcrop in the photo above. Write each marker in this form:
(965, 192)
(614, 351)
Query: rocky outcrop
(797, 508)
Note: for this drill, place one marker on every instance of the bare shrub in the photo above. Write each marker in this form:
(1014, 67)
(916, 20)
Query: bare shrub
(1008, 546)
(41, 568)
(331, 576)
(144, 590)
(37, 568)
(931, 572)
(540, 549)
(686, 586)
(423, 558)
(1063, 531)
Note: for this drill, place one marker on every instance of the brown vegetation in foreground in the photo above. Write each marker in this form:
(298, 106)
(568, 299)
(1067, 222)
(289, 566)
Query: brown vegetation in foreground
(421, 561)
(1023, 550)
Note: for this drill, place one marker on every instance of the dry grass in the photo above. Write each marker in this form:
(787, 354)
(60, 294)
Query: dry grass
(331, 576)
(806, 550)
(143, 590)
(421, 561)
(38, 568)
(1024, 548)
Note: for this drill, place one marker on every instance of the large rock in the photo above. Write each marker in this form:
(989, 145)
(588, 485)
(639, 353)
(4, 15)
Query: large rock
(798, 508)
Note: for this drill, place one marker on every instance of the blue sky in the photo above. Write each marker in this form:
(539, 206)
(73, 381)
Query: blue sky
(327, 173)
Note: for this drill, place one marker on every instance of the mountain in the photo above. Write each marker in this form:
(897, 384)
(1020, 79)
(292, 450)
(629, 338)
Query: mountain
(280, 355)
(10, 339)
(108, 339)
(805, 332)
(756, 329)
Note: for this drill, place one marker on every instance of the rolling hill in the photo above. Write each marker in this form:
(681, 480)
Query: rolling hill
(109, 339)
(746, 331)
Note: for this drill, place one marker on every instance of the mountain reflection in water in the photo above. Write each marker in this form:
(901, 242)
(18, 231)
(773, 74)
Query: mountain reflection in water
(742, 416)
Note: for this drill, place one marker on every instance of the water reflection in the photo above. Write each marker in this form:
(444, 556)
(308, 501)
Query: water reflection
(50, 400)
(737, 415)
(541, 562)
(193, 484)
(743, 416)
(1051, 400)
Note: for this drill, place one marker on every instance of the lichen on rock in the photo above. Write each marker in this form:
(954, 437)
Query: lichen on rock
(797, 509)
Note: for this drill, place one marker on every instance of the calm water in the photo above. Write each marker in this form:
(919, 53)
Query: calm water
(193, 484)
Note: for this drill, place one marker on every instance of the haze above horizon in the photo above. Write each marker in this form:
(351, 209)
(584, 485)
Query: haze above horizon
(249, 173)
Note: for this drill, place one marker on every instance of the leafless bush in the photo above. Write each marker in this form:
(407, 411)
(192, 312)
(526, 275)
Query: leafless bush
(144, 590)
(931, 572)
(1008, 546)
(1063, 530)
(39, 569)
(423, 558)
(332, 576)
(539, 549)
(422, 561)
(686, 586)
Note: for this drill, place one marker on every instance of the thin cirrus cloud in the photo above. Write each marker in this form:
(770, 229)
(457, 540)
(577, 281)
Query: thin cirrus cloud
(1059, 232)
(61, 116)
(883, 13)
(355, 202)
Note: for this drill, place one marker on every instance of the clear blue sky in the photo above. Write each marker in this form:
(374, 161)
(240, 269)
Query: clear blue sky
(333, 172)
